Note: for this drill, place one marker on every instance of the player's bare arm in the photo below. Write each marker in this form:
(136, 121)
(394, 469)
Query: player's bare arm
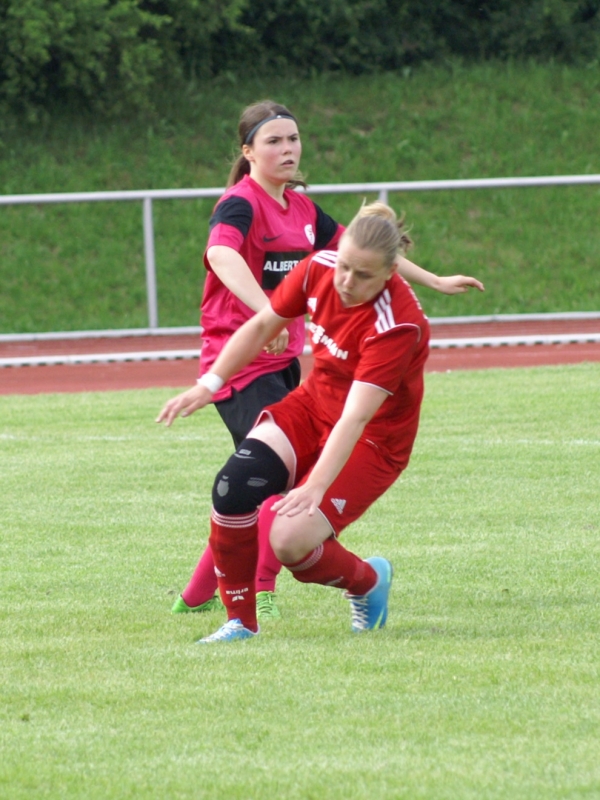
(185, 404)
(241, 349)
(450, 284)
(362, 403)
(233, 271)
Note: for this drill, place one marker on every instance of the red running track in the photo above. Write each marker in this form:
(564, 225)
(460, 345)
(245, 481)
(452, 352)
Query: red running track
(110, 376)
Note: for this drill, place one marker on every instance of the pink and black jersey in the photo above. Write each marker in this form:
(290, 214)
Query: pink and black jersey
(272, 240)
(384, 342)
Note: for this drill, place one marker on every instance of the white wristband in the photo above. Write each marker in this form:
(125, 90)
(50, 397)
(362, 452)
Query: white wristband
(212, 382)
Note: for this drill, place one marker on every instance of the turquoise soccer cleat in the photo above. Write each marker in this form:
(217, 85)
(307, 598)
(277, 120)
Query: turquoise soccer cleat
(370, 610)
(231, 631)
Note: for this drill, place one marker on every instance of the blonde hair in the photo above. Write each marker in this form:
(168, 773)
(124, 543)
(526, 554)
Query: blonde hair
(376, 227)
(249, 123)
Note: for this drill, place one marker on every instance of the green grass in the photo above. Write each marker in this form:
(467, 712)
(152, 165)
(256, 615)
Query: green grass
(81, 267)
(483, 685)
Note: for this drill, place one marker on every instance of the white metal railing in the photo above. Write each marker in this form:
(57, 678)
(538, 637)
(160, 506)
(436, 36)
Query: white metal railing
(147, 196)
(161, 354)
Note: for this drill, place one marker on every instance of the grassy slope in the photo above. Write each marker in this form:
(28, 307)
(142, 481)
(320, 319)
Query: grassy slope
(483, 685)
(74, 267)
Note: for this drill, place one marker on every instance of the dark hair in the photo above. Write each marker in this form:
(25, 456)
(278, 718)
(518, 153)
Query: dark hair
(376, 227)
(252, 116)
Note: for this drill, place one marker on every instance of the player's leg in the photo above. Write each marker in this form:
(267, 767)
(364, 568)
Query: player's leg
(199, 594)
(271, 389)
(257, 470)
(308, 548)
(269, 566)
(239, 413)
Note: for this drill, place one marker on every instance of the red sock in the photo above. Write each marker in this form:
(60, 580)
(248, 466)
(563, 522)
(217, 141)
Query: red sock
(331, 564)
(203, 583)
(234, 545)
(269, 566)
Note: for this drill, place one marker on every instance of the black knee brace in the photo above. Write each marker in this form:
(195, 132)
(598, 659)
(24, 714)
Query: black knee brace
(253, 473)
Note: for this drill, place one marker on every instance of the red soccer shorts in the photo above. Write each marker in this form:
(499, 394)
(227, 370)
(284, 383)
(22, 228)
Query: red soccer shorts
(365, 476)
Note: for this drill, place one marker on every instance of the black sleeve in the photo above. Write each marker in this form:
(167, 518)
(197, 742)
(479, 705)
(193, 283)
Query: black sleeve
(234, 211)
(326, 229)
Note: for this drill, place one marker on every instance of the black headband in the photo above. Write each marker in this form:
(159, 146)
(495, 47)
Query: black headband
(250, 136)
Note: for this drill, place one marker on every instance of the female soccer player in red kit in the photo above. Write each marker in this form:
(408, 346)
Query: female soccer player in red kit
(335, 443)
(259, 230)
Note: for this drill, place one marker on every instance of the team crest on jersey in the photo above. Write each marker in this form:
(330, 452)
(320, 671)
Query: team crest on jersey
(310, 234)
(312, 304)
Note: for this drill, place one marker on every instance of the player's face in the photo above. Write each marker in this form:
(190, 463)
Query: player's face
(274, 154)
(360, 275)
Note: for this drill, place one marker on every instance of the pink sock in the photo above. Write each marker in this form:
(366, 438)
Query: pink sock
(269, 566)
(203, 583)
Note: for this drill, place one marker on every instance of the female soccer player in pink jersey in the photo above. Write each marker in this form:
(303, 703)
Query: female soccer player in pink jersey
(335, 443)
(259, 230)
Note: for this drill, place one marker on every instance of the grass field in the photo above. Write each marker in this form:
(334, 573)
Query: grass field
(81, 267)
(483, 685)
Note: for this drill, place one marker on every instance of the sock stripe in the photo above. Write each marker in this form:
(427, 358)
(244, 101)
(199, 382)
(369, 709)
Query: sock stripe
(235, 521)
(308, 562)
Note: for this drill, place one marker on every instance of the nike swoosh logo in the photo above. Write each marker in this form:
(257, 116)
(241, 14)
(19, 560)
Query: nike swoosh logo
(272, 238)
(377, 624)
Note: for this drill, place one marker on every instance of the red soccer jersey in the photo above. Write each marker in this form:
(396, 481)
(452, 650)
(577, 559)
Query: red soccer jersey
(384, 342)
(272, 240)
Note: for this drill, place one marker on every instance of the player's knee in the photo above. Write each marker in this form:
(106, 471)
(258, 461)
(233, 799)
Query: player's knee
(253, 473)
(280, 540)
(287, 540)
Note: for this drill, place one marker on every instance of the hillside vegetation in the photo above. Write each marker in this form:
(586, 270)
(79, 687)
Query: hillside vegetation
(73, 267)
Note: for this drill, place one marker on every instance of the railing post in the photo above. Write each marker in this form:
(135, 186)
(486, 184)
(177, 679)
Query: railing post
(383, 196)
(151, 294)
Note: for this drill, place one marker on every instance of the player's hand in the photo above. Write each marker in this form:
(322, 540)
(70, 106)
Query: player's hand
(185, 404)
(303, 498)
(279, 344)
(458, 284)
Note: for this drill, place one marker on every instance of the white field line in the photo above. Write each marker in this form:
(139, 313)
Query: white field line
(524, 339)
(99, 358)
(174, 355)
